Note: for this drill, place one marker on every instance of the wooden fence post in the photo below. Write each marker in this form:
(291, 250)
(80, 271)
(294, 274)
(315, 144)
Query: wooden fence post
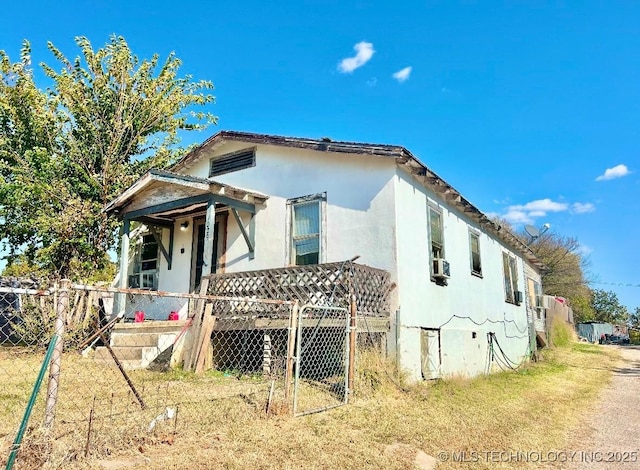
(291, 344)
(196, 326)
(61, 308)
(352, 341)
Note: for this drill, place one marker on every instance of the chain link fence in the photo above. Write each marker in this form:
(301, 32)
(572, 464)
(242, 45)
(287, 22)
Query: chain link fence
(321, 379)
(89, 371)
(113, 379)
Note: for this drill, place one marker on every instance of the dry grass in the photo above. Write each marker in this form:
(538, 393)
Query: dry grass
(527, 410)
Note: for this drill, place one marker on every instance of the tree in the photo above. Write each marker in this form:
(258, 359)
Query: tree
(565, 274)
(634, 319)
(64, 153)
(608, 308)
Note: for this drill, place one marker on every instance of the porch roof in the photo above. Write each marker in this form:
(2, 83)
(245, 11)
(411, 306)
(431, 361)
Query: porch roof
(165, 196)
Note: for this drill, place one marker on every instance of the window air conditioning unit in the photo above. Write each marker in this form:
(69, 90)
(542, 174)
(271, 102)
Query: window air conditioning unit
(441, 268)
(517, 297)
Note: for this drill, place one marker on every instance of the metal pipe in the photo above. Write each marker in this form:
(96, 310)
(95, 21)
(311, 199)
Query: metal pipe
(297, 363)
(16, 290)
(158, 293)
(123, 372)
(353, 309)
(96, 334)
(27, 412)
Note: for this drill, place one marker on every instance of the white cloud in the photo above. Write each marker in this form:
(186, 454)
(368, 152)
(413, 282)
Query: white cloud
(364, 52)
(585, 250)
(403, 75)
(527, 213)
(542, 206)
(617, 171)
(582, 207)
(537, 214)
(516, 216)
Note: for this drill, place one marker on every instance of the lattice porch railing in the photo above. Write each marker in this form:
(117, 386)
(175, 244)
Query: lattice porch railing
(319, 284)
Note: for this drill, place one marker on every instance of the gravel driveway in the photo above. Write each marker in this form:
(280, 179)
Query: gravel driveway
(610, 437)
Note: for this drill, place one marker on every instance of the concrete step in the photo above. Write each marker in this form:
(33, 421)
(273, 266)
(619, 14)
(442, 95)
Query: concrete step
(155, 326)
(123, 353)
(127, 353)
(119, 338)
(158, 340)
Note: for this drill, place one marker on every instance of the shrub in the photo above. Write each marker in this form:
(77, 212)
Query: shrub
(561, 333)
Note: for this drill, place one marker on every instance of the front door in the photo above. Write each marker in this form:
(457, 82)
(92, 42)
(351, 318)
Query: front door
(219, 241)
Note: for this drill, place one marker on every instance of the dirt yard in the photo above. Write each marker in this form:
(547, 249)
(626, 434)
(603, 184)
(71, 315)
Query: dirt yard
(608, 436)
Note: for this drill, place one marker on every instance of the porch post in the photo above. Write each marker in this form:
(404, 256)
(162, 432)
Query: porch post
(120, 299)
(209, 236)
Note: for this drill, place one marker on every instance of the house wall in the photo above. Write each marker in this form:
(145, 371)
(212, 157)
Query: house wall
(379, 212)
(467, 305)
(174, 280)
(359, 210)
(359, 214)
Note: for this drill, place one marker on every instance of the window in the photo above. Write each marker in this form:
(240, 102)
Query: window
(232, 162)
(145, 265)
(535, 295)
(474, 245)
(510, 270)
(306, 229)
(436, 236)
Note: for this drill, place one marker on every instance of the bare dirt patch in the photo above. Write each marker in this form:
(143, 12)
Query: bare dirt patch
(608, 435)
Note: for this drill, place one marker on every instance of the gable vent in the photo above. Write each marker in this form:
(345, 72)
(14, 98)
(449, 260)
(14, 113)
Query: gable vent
(232, 162)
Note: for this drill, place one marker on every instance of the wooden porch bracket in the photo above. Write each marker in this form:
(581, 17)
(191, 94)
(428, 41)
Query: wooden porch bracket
(168, 255)
(250, 237)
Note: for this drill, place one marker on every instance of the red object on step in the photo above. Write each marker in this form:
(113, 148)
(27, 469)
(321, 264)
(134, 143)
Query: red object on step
(174, 316)
(139, 317)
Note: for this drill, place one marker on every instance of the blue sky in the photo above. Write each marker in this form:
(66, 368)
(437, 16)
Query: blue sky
(519, 105)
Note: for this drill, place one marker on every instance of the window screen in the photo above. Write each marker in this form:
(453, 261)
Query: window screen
(305, 233)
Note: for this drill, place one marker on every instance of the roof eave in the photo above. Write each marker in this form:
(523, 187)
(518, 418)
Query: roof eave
(450, 195)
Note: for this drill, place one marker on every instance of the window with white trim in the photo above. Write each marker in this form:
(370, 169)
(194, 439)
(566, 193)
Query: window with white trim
(510, 270)
(306, 230)
(474, 249)
(146, 264)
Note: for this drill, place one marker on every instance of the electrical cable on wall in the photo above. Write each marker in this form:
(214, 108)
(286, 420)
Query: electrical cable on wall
(499, 356)
(488, 320)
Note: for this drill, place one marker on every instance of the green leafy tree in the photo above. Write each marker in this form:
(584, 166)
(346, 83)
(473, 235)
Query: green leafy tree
(565, 275)
(608, 308)
(107, 117)
(634, 319)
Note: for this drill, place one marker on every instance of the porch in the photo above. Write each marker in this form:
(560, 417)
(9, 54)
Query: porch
(242, 321)
(184, 220)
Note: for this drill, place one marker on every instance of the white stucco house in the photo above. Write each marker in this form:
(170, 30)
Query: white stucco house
(243, 201)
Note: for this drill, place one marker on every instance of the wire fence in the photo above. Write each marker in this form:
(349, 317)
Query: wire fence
(323, 346)
(115, 379)
(111, 380)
